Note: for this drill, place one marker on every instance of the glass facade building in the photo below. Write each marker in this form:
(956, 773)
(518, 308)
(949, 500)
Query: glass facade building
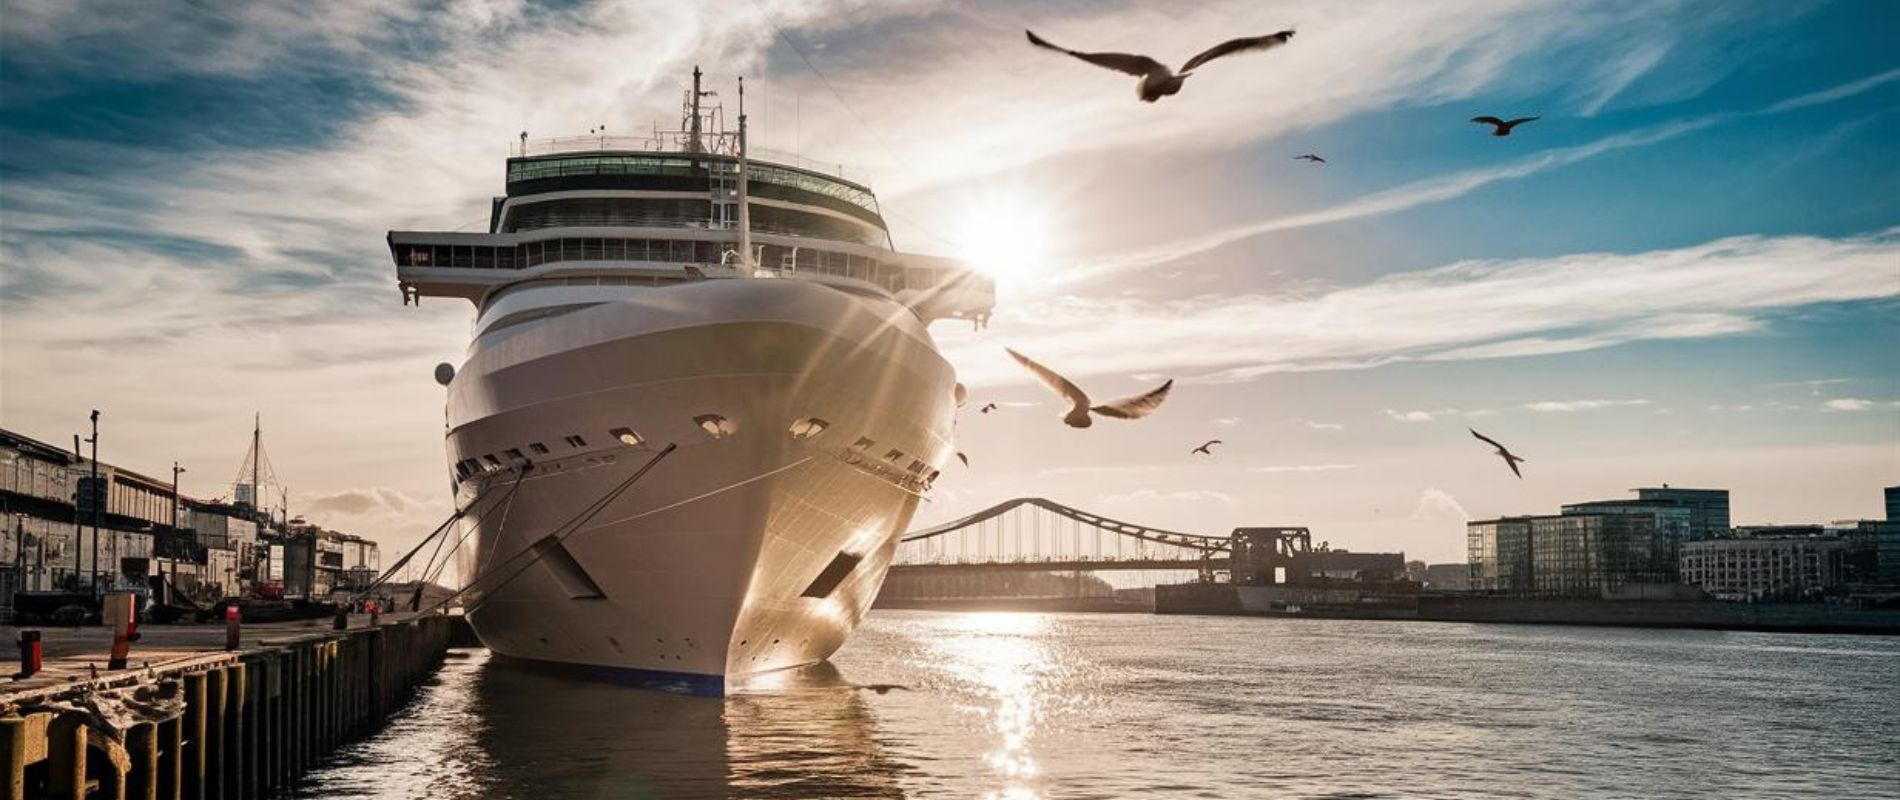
(1708, 508)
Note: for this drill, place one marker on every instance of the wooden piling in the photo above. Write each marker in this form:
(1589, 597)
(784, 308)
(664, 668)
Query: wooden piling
(251, 723)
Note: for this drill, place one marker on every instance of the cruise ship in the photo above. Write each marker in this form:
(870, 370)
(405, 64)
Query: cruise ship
(744, 319)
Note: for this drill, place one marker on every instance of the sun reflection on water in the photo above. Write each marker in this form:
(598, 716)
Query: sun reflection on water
(1003, 661)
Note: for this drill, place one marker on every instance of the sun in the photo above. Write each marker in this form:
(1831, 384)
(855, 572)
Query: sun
(1005, 237)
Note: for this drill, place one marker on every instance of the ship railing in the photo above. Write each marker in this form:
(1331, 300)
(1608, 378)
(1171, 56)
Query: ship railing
(724, 144)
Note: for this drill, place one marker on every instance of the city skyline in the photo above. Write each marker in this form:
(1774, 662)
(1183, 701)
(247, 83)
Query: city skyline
(1685, 273)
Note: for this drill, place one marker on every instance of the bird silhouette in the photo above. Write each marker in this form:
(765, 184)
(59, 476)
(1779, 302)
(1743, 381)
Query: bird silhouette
(1157, 81)
(1313, 157)
(883, 688)
(1203, 449)
(963, 458)
(1078, 415)
(987, 408)
(1509, 458)
(1502, 127)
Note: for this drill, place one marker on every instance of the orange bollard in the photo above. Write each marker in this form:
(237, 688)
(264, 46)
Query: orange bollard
(231, 627)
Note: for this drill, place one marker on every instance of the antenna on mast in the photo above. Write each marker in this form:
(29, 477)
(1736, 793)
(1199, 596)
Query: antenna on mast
(746, 262)
(692, 140)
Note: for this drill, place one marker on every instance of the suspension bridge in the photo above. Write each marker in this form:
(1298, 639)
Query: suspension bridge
(1014, 548)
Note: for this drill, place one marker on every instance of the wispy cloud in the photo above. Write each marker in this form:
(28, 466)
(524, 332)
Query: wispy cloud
(1150, 496)
(1467, 310)
(1848, 404)
(1417, 415)
(1581, 405)
(1304, 467)
(1434, 503)
(1449, 187)
(1227, 422)
(1313, 424)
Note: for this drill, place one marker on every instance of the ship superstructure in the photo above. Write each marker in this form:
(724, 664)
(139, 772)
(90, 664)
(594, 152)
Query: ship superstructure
(636, 292)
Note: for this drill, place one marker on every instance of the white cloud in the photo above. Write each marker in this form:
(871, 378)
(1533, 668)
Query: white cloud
(1466, 310)
(1581, 405)
(1450, 187)
(1150, 496)
(1304, 467)
(1322, 426)
(1419, 415)
(1436, 504)
(1227, 422)
(1848, 404)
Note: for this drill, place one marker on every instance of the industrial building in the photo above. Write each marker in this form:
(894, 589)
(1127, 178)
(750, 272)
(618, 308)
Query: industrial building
(136, 533)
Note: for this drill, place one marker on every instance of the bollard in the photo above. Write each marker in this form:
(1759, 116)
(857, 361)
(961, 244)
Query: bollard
(30, 654)
(231, 622)
(120, 614)
(341, 622)
(375, 613)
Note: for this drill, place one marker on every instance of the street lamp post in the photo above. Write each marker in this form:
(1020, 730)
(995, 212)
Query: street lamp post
(98, 500)
(175, 503)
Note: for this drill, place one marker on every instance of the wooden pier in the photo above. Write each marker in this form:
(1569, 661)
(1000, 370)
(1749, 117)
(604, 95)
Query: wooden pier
(189, 721)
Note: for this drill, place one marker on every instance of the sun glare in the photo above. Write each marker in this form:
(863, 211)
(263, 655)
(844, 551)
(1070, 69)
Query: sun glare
(1005, 238)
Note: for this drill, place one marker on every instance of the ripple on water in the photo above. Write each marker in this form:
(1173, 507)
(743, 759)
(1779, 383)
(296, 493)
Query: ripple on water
(1075, 706)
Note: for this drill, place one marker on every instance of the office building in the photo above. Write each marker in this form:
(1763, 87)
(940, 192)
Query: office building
(1765, 566)
(1708, 508)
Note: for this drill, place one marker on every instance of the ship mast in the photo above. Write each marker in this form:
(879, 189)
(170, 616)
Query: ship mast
(746, 264)
(692, 136)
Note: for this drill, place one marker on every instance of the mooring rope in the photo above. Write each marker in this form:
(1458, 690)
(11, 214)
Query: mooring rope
(459, 513)
(575, 523)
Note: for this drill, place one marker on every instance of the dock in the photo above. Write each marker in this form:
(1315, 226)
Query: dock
(189, 719)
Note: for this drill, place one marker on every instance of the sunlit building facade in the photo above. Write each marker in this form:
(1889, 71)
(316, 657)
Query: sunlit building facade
(1765, 567)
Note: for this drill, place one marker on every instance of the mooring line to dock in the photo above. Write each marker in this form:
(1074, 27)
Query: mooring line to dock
(459, 513)
(558, 536)
(703, 495)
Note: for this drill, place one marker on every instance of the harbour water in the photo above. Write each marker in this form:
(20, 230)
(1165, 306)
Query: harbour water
(1003, 705)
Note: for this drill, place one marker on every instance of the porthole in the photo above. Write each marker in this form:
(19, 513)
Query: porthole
(626, 436)
(808, 427)
(716, 426)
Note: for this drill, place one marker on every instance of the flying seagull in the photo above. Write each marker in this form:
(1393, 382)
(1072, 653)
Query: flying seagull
(963, 458)
(1203, 449)
(1509, 459)
(1077, 416)
(1157, 81)
(987, 408)
(1502, 127)
(1313, 157)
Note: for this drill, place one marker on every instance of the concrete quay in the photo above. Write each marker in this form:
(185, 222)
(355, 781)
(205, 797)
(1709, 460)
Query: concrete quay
(189, 719)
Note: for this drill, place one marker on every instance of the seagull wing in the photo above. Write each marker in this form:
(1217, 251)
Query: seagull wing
(1056, 383)
(1487, 440)
(1233, 46)
(1519, 121)
(1494, 121)
(963, 458)
(1130, 63)
(1512, 460)
(1136, 407)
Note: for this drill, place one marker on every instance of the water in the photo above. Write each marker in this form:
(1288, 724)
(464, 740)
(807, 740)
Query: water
(1106, 705)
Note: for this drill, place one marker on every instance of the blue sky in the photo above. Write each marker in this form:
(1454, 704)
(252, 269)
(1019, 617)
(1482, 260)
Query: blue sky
(1688, 271)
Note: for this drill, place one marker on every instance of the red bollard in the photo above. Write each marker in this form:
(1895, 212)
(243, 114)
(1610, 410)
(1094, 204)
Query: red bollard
(230, 627)
(121, 613)
(30, 654)
(375, 613)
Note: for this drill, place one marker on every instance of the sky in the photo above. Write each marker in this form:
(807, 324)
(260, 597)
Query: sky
(1688, 271)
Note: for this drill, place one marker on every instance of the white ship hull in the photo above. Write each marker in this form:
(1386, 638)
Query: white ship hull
(700, 570)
